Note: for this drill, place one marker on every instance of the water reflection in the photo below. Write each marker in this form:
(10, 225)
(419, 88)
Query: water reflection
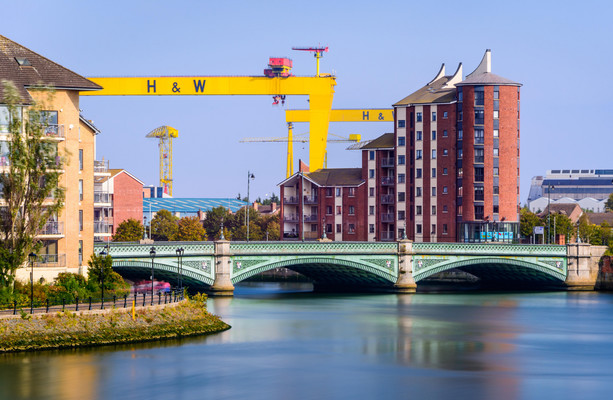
(287, 342)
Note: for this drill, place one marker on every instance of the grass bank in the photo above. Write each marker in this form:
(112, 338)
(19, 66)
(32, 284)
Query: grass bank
(69, 329)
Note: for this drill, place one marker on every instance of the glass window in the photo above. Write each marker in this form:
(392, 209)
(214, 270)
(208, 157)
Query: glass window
(445, 152)
(338, 192)
(495, 151)
(401, 178)
(433, 191)
(495, 114)
(495, 132)
(4, 153)
(351, 210)
(80, 220)
(417, 210)
(81, 159)
(434, 172)
(444, 171)
(445, 133)
(444, 189)
(495, 209)
(80, 189)
(479, 155)
(371, 210)
(433, 229)
(339, 210)
(460, 153)
(328, 210)
(418, 228)
(496, 190)
(495, 171)
(479, 193)
(418, 117)
(400, 196)
(460, 134)
(418, 135)
(433, 135)
(479, 98)
(338, 228)
(433, 210)
(80, 252)
(496, 94)
(401, 160)
(371, 155)
(418, 172)
(401, 140)
(418, 154)
(479, 136)
(371, 192)
(445, 208)
(479, 116)
(351, 228)
(444, 228)
(401, 123)
(371, 173)
(433, 154)
(417, 192)
(401, 216)
(433, 115)
(478, 174)
(371, 228)
(445, 114)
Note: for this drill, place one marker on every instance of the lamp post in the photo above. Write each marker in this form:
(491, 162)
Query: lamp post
(250, 176)
(180, 252)
(152, 254)
(323, 228)
(32, 257)
(102, 254)
(549, 189)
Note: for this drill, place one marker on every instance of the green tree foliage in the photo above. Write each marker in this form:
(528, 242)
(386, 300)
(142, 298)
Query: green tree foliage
(608, 206)
(560, 225)
(98, 266)
(213, 220)
(527, 221)
(130, 230)
(190, 230)
(164, 226)
(32, 179)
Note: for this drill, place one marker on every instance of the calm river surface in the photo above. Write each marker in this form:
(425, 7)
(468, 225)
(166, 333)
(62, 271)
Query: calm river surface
(288, 344)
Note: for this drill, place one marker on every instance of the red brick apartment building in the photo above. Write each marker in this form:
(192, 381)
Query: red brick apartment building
(449, 172)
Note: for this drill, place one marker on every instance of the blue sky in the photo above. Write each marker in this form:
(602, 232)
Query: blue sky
(380, 52)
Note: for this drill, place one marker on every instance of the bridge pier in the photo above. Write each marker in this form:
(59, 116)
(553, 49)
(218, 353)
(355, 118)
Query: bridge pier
(583, 265)
(222, 286)
(406, 281)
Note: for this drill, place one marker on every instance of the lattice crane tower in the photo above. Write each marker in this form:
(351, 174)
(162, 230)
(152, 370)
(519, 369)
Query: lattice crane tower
(165, 134)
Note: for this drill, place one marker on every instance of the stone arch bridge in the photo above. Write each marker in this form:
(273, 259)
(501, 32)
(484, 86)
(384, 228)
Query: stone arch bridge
(395, 266)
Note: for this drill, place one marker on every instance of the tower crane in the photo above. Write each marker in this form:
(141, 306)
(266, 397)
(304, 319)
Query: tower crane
(300, 138)
(318, 53)
(165, 134)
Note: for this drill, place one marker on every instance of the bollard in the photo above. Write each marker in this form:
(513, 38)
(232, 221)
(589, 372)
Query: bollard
(159, 298)
(125, 300)
(114, 299)
(90, 302)
(63, 305)
(144, 298)
(76, 306)
(15, 307)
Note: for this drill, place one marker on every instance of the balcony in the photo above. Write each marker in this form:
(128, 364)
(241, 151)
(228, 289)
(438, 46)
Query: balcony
(388, 162)
(103, 227)
(291, 218)
(52, 228)
(101, 167)
(53, 131)
(290, 200)
(387, 235)
(387, 199)
(290, 235)
(310, 200)
(387, 217)
(50, 260)
(388, 180)
(100, 197)
(311, 218)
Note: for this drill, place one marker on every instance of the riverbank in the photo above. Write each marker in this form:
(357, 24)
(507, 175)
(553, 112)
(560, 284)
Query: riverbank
(115, 326)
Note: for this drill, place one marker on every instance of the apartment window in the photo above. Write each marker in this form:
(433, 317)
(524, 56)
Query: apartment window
(478, 212)
(479, 138)
(80, 220)
(339, 210)
(433, 135)
(495, 114)
(371, 210)
(401, 178)
(328, 210)
(401, 140)
(417, 192)
(433, 115)
(433, 154)
(478, 174)
(401, 196)
(418, 172)
(401, 123)
(371, 192)
(371, 155)
(371, 228)
(445, 132)
(80, 189)
(80, 159)
(460, 134)
(401, 160)
(338, 192)
(460, 94)
(479, 193)
(418, 135)
(433, 229)
(401, 215)
(80, 252)
(418, 117)
(496, 190)
(329, 228)
(479, 98)
(328, 192)
(445, 190)
(434, 191)
(338, 228)
(444, 228)
(351, 210)
(313, 227)
(445, 208)
(496, 105)
(351, 228)
(495, 209)
(417, 210)
(433, 210)
(495, 171)
(418, 228)
(460, 115)
(479, 155)
(495, 132)
(445, 152)
(445, 115)
(444, 171)
(479, 116)
(495, 151)
(434, 172)
(418, 154)
(371, 173)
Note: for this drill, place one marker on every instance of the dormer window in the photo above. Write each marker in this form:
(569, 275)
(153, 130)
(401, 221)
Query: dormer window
(23, 62)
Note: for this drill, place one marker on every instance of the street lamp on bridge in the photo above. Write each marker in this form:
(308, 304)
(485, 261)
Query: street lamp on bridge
(250, 177)
(152, 255)
(180, 252)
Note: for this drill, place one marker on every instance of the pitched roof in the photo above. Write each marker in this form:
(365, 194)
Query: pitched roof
(337, 176)
(482, 75)
(599, 218)
(434, 92)
(26, 68)
(385, 141)
(562, 208)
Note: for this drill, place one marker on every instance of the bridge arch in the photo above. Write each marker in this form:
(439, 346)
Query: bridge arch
(326, 270)
(140, 269)
(498, 269)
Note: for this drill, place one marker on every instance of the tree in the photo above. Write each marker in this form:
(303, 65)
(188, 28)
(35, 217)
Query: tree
(585, 229)
(190, 230)
(30, 188)
(130, 230)
(98, 266)
(561, 225)
(214, 218)
(527, 221)
(608, 205)
(164, 226)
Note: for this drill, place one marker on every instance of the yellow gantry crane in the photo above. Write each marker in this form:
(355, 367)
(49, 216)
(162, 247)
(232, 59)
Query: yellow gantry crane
(300, 138)
(165, 134)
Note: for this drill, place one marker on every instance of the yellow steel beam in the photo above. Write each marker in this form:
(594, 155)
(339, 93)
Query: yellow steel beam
(319, 89)
(346, 115)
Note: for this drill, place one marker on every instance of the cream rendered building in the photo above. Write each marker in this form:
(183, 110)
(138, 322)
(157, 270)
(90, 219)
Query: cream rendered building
(67, 239)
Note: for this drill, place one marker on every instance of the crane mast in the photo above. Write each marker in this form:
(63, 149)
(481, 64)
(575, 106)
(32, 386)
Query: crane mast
(165, 134)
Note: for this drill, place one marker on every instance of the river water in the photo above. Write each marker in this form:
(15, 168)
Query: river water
(288, 343)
